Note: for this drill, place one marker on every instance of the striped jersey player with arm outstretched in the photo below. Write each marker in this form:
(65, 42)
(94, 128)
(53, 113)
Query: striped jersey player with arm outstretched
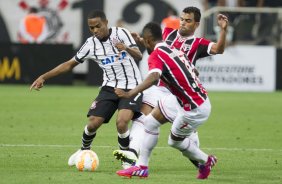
(115, 51)
(187, 107)
(194, 48)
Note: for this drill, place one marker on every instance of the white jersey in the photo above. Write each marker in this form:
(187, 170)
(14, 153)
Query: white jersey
(120, 69)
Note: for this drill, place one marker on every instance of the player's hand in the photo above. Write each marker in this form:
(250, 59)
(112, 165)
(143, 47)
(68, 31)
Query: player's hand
(121, 93)
(138, 39)
(120, 46)
(37, 84)
(222, 21)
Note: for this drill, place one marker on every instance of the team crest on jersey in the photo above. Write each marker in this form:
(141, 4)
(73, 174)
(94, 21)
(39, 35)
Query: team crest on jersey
(94, 104)
(115, 41)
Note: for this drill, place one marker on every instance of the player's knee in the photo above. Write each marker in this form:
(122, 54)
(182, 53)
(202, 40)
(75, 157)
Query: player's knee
(122, 124)
(175, 142)
(172, 143)
(151, 123)
(93, 124)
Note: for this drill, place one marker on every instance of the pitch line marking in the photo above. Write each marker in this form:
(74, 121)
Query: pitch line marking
(158, 147)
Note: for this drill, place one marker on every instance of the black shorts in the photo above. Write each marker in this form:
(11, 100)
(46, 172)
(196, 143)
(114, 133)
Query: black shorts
(107, 102)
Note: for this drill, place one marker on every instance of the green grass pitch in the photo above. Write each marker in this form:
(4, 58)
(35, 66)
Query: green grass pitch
(40, 130)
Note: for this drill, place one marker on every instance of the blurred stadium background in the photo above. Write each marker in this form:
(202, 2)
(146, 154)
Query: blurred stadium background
(251, 62)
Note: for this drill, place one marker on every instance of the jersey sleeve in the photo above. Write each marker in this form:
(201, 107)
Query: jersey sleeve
(155, 63)
(126, 37)
(83, 53)
(205, 46)
(166, 32)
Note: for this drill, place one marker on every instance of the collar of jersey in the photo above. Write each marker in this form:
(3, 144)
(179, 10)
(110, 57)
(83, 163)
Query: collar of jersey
(159, 44)
(186, 37)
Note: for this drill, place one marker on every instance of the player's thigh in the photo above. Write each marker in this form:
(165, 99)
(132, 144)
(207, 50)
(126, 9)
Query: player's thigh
(133, 103)
(152, 95)
(146, 109)
(158, 115)
(105, 105)
(186, 122)
(169, 106)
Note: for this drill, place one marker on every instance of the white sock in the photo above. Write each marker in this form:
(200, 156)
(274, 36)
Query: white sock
(137, 133)
(150, 139)
(124, 135)
(189, 149)
(195, 138)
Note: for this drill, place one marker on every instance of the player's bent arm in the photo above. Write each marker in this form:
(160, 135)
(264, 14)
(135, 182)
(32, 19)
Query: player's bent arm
(134, 52)
(150, 80)
(218, 48)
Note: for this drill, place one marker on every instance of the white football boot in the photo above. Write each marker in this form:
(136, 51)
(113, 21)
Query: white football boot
(128, 158)
(71, 161)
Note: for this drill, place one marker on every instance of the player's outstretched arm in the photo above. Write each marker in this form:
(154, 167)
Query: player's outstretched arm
(62, 68)
(218, 48)
(152, 79)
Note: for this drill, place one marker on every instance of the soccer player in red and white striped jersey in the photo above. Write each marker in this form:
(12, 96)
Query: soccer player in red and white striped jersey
(194, 48)
(185, 40)
(186, 108)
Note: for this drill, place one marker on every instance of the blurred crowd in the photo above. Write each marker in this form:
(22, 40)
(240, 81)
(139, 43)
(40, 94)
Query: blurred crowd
(254, 27)
(42, 24)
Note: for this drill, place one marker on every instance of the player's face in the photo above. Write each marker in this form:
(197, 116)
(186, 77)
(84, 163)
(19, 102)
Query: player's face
(187, 24)
(98, 27)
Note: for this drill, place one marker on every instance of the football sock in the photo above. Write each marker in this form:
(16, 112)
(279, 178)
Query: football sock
(195, 139)
(123, 140)
(137, 133)
(87, 139)
(150, 139)
(189, 149)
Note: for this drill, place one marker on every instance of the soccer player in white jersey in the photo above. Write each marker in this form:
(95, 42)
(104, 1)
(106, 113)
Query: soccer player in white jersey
(115, 51)
(186, 108)
(194, 47)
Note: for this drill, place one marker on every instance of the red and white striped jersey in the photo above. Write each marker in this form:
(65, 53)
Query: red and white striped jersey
(192, 46)
(178, 74)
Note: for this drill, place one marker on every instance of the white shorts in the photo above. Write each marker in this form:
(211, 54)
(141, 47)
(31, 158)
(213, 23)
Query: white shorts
(183, 122)
(152, 95)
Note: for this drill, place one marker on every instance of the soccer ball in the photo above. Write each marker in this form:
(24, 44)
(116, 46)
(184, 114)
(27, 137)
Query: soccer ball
(87, 160)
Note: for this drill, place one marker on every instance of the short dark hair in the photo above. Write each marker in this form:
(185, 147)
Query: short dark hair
(155, 30)
(196, 11)
(97, 13)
